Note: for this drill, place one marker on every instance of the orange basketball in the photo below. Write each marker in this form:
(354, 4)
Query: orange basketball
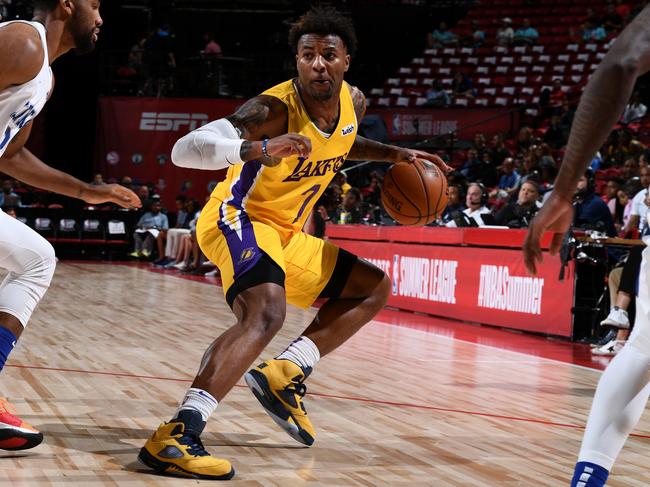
(414, 193)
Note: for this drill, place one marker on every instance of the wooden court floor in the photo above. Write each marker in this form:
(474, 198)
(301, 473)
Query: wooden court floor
(112, 348)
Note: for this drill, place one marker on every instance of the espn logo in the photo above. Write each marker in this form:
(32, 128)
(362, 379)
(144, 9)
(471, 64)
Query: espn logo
(171, 122)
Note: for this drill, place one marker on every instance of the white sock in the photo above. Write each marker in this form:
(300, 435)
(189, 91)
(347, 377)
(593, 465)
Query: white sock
(620, 400)
(302, 352)
(200, 401)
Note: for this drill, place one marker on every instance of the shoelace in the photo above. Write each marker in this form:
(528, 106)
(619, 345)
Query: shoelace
(195, 445)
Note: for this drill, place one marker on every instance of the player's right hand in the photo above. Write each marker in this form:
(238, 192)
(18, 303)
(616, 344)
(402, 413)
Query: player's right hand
(556, 215)
(286, 145)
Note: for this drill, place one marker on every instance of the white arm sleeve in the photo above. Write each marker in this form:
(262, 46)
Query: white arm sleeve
(213, 146)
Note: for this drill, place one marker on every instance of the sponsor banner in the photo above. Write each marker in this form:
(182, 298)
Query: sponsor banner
(419, 123)
(136, 136)
(482, 285)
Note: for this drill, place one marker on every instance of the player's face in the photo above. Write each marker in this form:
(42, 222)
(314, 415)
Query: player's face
(322, 62)
(84, 25)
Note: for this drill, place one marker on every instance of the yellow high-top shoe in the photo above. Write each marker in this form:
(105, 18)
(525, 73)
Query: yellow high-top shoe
(170, 451)
(278, 386)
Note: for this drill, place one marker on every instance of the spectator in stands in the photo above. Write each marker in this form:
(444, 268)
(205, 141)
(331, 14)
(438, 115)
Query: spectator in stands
(442, 37)
(557, 95)
(350, 209)
(461, 86)
(486, 171)
(505, 34)
(524, 139)
(168, 241)
(8, 197)
(593, 33)
(475, 201)
(620, 148)
(98, 180)
(342, 181)
(372, 192)
(555, 134)
(148, 228)
(480, 144)
(639, 208)
(612, 21)
(612, 188)
(329, 202)
(622, 208)
(526, 35)
(144, 194)
(519, 214)
(567, 112)
(499, 150)
(211, 48)
(477, 36)
(127, 182)
(437, 96)
(591, 212)
(509, 180)
(454, 203)
(470, 165)
(634, 111)
(630, 169)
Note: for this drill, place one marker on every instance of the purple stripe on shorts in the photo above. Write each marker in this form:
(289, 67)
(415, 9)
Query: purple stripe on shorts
(244, 251)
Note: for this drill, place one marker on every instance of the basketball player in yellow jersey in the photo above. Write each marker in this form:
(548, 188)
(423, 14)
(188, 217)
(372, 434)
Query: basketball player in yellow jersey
(283, 148)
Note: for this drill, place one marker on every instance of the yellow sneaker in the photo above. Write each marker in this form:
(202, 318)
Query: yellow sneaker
(15, 434)
(170, 452)
(278, 386)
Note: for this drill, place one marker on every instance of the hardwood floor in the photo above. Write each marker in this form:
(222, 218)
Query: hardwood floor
(112, 348)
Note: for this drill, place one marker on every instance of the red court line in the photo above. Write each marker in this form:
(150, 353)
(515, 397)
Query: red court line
(329, 396)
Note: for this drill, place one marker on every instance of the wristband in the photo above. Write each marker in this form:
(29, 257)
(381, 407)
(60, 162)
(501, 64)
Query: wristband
(264, 142)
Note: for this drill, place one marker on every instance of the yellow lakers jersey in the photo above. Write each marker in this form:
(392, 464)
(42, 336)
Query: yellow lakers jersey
(284, 195)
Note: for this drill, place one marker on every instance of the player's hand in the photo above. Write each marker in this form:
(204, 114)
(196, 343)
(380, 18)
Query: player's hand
(286, 145)
(113, 193)
(556, 215)
(410, 155)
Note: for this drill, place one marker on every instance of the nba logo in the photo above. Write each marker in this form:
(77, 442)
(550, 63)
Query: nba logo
(395, 273)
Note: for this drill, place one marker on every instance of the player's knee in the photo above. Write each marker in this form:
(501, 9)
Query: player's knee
(268, 316)
(40, 269)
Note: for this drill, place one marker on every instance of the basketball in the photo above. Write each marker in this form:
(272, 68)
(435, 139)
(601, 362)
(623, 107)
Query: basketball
(414, 193)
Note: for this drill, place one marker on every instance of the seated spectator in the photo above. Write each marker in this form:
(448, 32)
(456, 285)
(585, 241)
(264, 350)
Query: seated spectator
(372, 192)
(499, 150)
(634, 111)
(524, 139)
(505, 34)
(350, 209)
(612, 188)
(479, 143)
(148, 228)
(567, 112)
(526, 35)
(476, 201)
(98, 180)
(519, 214)
(470, 165)
(342, 181)
(437, 96)
(593, 33)
(328, 203)
(461, 86)
(630, 169)
(591, 212)
(509, 179)
(622, 207)
(486, 172)
(555, 135)
(8, 197)
(169, 240)
(475, 37)
(557, 95)
(442, 37)
(187, 253)
(454, 203)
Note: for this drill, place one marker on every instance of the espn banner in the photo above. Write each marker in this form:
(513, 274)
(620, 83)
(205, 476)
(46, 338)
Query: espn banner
(481, 285)
(136, 135)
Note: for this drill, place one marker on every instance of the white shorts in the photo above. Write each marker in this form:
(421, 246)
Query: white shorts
(30, 260)
(640, 336)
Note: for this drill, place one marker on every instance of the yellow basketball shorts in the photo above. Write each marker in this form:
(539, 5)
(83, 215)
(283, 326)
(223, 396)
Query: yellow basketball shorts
(236, 247)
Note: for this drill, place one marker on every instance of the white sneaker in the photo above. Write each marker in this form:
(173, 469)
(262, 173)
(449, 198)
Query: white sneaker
(618, 318)
(214, 273)
(181, 266)
(612, 348)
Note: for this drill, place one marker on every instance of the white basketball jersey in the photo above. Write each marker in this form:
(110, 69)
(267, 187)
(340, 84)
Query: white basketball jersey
(21, 103)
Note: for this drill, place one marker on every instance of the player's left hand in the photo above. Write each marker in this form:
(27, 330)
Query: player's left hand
(410, 155)
(113, 193)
